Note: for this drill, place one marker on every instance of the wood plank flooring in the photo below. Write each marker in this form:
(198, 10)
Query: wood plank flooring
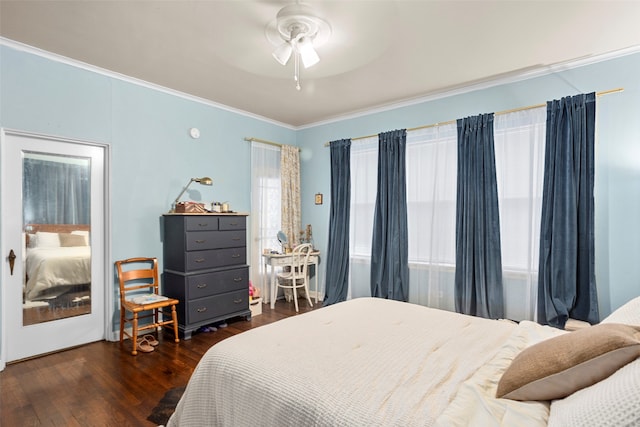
(102, 384)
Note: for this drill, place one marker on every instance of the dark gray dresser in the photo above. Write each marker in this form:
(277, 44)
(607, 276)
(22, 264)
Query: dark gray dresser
(205, 267)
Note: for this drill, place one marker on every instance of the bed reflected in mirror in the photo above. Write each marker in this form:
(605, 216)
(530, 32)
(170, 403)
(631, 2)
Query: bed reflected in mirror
(57, 237)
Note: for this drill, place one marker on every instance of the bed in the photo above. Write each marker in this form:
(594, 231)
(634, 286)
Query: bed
(377, 362)
(58, 258)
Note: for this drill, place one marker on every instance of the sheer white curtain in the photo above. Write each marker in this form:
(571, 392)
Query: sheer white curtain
(364, 185)
(519, 147)
(431, 212)
(265, 208)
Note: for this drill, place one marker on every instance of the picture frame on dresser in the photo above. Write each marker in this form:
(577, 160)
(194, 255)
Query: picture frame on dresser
(205, 267)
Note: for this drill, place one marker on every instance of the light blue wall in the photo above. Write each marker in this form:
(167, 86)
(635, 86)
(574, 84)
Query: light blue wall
(617, 156)
(153, 156)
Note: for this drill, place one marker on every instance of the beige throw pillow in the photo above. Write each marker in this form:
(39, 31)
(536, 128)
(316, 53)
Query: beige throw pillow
(67, 239)
(559, 366)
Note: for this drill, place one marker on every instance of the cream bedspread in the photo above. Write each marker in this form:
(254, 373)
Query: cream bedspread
(364, 362)
(49, 268)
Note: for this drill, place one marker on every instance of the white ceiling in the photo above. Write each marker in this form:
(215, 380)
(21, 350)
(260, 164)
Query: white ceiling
(380, 52)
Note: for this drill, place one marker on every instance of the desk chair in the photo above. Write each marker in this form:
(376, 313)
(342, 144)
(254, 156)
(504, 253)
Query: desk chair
(139, 292)
(297, 275)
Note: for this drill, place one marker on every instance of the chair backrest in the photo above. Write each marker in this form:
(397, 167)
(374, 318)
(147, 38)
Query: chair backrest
(138, 274)
(300, 259)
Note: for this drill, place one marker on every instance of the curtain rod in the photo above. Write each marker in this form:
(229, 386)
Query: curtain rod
(513, 110)
(264, 141)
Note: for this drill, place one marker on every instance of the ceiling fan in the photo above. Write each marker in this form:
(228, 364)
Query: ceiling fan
(297, 31)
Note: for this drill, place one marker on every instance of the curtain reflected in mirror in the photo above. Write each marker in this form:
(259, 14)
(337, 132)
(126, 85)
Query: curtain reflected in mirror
(56, 236)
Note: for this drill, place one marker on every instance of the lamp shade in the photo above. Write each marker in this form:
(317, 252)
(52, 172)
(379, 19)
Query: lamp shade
(283, 53)
(205, 180)
(308, 54)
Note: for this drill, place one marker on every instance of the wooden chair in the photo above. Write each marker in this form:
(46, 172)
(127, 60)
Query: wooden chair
(296, 276)
(139, 292)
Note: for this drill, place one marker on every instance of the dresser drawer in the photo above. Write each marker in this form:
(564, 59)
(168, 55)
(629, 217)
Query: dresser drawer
(204, 222)
(232, 223)
(207, 284)
(199, 240)
(218, 305)
(214, 258)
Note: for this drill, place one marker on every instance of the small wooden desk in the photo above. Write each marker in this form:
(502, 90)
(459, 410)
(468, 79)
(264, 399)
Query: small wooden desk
(282, 260)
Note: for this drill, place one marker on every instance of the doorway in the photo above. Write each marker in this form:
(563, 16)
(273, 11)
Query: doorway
(54, 206)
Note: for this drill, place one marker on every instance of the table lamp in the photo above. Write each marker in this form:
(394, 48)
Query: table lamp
(205, 180)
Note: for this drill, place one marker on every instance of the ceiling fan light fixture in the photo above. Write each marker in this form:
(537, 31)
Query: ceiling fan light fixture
(297, 31)
(283, 53)
(308, 54)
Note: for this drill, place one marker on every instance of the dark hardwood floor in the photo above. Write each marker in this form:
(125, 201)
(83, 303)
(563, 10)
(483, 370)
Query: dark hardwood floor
(102, 384)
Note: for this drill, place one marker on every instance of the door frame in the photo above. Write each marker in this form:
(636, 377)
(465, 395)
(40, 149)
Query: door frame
(108, 297)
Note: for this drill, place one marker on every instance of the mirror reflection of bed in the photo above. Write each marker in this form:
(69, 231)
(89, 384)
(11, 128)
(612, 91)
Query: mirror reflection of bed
(57, 270)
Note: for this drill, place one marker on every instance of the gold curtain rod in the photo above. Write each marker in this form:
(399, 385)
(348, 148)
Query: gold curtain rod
(513, 110)
(264, 141)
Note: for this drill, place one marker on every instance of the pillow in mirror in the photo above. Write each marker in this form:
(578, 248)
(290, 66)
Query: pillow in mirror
(45, 239)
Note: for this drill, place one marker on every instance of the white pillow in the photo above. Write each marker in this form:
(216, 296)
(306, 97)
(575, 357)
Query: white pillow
(628, 314)
(614, 401)
(84, 233)
(44, 239)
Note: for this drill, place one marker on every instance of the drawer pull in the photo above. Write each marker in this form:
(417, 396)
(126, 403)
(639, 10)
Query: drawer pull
(237, 279)
(199, 260)
(202, 285)
(203, 224)
(236, 238)
(233, 223)
(202, 309)
(235, 256)
(237, 301)
(200, 241)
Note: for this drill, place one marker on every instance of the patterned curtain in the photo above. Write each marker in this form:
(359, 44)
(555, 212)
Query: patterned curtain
(290, 170)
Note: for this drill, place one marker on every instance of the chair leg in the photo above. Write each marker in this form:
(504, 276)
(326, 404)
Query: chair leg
(134, 333)
(294, 288)
(306, 289)
(174, 316)
(122, 317)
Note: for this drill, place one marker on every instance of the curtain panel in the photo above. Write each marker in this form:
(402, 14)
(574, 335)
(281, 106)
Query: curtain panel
(265, 210)
(478, 277)
(56, 192)
(337, 270)
(290, 170)
(567, 285)
(519, 146)
(431, 214)
(389, 247)
(364, 186)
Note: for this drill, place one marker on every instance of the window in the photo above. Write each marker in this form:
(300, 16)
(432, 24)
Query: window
(431, 210)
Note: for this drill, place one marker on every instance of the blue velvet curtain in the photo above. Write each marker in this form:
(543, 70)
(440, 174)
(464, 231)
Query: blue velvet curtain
(55, 192)
(566, 280)
(478, 278)
(389, 248)
(337, 276)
